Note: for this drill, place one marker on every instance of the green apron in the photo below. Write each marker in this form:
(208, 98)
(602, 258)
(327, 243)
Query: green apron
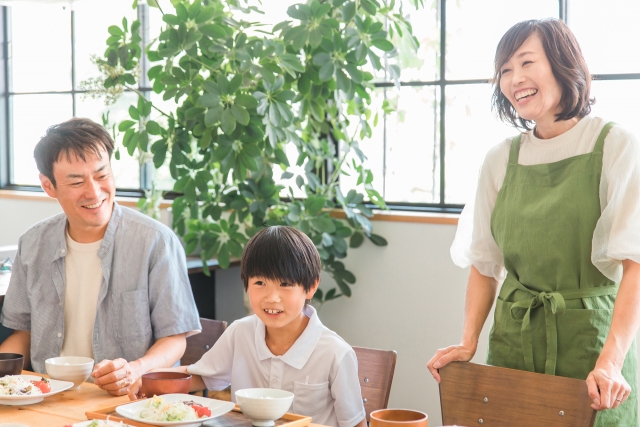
(554, 309)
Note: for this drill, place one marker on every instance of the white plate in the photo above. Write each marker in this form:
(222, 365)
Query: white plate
(56, 387)
(218, 407)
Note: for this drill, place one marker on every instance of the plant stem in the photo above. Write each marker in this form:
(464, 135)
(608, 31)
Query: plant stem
(141, 95)
(202, 63)
(338, 169)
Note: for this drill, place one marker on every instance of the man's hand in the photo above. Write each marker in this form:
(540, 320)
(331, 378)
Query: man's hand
(115, 376)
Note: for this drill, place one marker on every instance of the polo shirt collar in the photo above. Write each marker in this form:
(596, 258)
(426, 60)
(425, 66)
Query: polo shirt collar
(107, 240)
(301, 350)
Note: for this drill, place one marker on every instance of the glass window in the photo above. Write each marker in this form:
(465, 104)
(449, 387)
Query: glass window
(617, 100)
(40, 47)
(609, 34)
(32, 115)
(412, 149)
(471, 130)
(404, 152)
(474, 28)
(424, 64)
(92, 19)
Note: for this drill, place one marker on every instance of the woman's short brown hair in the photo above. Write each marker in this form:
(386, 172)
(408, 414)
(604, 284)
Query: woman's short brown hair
(76, 136)
(567, 63)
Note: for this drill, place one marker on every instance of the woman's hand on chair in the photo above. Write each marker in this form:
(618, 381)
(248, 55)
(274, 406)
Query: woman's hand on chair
(455, 353)
(606, 386)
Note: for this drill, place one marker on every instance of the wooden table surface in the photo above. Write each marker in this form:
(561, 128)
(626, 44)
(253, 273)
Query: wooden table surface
(67, 407)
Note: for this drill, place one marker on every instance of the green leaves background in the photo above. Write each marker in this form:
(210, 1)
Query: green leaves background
(243, 96)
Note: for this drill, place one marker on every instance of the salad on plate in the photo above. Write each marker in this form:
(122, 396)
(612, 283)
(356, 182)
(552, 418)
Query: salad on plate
(16, 385)
(157, 409)
(175, 409)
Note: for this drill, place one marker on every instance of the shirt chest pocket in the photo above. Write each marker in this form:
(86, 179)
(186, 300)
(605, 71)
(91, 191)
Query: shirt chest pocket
(132, 311)
(310, 399)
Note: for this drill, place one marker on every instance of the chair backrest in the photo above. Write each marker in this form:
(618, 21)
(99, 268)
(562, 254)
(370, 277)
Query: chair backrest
(199, 344)
(375, 371)
(470, 393)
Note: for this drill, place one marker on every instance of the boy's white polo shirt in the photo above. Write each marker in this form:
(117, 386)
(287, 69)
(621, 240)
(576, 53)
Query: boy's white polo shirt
(320, 369)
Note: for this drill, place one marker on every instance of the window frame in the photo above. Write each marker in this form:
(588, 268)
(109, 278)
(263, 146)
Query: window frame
(146, 171)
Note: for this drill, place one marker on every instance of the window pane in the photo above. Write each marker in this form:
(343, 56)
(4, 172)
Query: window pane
(413, 146)
(474, 28)
(32, 115)
(608, 35)
(618, 101)
(423, 65)
(92, 18)
(406, 167)
(41, 47)
(373, 149)
(471, 130)
(126, 170)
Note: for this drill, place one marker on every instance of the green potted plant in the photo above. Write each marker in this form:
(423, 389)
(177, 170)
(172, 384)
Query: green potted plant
(243, 96)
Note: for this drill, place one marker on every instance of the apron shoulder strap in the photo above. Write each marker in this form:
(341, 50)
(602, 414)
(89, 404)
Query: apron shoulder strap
(515, 150)
(603, 134)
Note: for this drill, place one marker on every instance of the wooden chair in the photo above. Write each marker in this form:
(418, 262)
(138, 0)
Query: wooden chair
(375, 371)
(199, 344)
(473, 394)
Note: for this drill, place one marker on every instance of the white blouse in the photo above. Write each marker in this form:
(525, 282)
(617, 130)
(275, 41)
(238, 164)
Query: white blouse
(617, 233)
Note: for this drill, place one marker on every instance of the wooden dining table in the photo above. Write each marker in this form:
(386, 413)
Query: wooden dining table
(66, 407)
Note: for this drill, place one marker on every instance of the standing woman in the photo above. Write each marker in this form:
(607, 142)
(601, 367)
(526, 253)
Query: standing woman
(558, 208)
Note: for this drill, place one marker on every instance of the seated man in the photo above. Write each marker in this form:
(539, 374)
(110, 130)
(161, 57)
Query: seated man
(100, 280)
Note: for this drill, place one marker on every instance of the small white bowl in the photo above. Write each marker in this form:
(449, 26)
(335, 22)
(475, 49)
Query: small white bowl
(264, 405)
(69, 368)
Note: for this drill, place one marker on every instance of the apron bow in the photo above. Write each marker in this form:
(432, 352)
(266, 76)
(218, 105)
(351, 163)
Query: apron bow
(554, 304)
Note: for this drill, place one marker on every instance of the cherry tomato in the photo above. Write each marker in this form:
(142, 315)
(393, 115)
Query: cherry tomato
(201, 411)
(43, 385)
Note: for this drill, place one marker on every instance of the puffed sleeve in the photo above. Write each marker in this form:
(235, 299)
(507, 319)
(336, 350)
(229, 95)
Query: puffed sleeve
(474, 243)
(617, 233)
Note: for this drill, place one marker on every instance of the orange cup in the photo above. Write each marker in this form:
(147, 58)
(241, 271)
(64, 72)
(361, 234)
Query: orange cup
(398, 418)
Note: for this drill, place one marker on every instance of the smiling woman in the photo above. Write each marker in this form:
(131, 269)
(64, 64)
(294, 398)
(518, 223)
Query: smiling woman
(544, 214)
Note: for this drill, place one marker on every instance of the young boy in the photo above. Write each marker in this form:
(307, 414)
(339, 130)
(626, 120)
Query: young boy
(284, 345)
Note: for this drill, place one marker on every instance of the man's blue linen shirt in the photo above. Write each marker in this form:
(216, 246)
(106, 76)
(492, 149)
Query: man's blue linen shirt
(144, 295)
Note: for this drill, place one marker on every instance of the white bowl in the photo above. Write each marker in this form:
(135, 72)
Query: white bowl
(264, 405)
(69, 368)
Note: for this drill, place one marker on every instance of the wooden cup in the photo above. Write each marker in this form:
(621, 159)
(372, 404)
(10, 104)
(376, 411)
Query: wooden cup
(398, 418)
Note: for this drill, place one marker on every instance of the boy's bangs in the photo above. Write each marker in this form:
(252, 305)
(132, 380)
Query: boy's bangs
(280, 253)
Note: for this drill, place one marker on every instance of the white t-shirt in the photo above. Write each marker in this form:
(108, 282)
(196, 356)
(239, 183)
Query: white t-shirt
(83, 279)
(320, 368)
(617, 233)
